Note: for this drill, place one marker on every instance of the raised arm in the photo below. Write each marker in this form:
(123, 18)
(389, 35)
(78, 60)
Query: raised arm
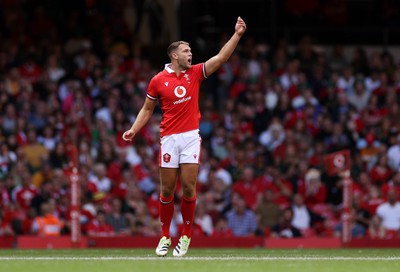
(214, 63)
(141, 120)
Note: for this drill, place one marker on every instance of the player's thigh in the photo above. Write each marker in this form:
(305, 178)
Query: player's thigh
(168, 178)
(169, 151)
(188, 178)
(190, 143)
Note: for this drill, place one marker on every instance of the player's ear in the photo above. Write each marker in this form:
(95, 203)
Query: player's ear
(174, 55)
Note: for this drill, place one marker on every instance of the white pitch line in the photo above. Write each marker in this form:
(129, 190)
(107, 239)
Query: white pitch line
(17, 258)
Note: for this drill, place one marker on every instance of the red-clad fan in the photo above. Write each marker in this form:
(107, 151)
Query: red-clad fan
(98, 227)
(25, 192)
(312, 188)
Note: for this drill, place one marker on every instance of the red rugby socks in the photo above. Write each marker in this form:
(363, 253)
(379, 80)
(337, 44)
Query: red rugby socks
(166, 206)
(188, 208)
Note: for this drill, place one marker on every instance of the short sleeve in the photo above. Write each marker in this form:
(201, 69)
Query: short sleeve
(200, 71)
(152, 90)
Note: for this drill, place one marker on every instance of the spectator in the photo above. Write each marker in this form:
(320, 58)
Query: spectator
(142, 223)
(267, 212)
(392, 184)
(291, 75)
(7, 160)
(394, 155)
(52, 70)
(361, 213)
(106, 112)
(373, 198)
(85, 153)
(34, 152)
(389, 213)
(312, 189)
(247, 187)
(203, 219)
(304, 219)
(119, 221)
(58, 156)
(211, 166)
(5, 228)
(38, 116)
(338, 139)
(217, 197)
(107, 154)
(9, 123)
(222, 229)
(273, 137)
(381, 172)
(357, 230)
(304, 98)
(217, 142)
(23, 193)
(241, 220)
(284, 228)
(99, 179)
(369, 152)
(133, 199)
(48, 224)
(274, 180)
(48, 140)
(5, 196)
(374, 113)
(44, 195)
(360, 96)
(14, 84)
(346, 80)
(375, 228)
(98, 226)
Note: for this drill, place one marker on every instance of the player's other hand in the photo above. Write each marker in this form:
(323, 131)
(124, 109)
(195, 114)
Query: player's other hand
(240, 26)
(128, 135)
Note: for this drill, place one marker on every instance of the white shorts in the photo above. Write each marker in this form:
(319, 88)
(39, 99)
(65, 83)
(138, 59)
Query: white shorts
(180, 148)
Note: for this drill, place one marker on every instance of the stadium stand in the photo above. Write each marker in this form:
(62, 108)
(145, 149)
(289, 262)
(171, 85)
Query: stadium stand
(77, 75)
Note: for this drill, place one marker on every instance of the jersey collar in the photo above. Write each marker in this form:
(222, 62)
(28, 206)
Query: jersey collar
(169, 70)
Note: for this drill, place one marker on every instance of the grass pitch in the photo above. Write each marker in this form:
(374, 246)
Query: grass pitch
(204, 260)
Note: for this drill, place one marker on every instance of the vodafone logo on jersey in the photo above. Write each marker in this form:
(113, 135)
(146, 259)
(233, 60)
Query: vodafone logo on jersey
(180, 91)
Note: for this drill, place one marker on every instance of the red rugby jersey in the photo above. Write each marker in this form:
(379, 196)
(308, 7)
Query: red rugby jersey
(178, 97)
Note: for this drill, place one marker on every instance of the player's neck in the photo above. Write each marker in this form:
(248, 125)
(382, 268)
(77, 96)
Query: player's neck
(177, 68)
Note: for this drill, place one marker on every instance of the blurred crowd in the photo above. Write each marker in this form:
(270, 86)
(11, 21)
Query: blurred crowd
(269, 117)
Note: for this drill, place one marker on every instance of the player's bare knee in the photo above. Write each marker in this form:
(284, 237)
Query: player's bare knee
(167, 191)
(189, 191)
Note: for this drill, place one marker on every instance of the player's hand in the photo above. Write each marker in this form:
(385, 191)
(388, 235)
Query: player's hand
(128, 135)
(240, 26)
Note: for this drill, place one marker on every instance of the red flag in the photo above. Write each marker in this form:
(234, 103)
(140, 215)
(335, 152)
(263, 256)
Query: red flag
(337, 162)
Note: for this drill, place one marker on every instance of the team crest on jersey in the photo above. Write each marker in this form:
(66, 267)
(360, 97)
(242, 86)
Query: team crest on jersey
(167, 157)
(180, 91)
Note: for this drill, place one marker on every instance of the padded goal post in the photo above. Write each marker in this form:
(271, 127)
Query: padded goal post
(346, 212)
(338, 163)
(75, 194)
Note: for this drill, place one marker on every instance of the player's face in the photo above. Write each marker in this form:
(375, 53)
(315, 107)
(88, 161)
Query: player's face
(184, 54)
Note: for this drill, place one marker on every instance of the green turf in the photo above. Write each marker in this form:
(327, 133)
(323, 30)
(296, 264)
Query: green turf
(205, 260)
